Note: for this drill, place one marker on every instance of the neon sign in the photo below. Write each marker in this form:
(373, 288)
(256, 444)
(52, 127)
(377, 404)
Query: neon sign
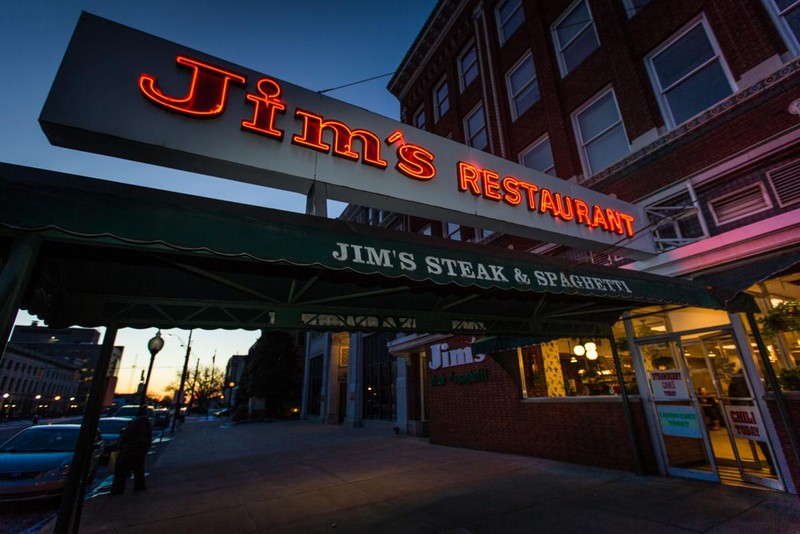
(207, 98)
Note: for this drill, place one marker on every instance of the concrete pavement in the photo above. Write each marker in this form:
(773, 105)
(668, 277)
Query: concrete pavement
(299, 477)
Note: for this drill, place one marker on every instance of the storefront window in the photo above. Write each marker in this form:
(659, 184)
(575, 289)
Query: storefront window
(571, 367)
(380, 370)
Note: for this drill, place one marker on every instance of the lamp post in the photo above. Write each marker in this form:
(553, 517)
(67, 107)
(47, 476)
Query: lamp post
(180, 394)
(155, 344)
(2, 405)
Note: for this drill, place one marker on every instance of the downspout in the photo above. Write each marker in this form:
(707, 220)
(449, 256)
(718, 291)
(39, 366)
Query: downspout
(626, 405)
(479, 47)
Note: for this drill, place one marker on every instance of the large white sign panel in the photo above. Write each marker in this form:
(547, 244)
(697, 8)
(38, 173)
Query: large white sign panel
(125, 93)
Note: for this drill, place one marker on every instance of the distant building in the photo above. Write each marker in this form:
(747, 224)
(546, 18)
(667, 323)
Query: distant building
(233, 376)
(59, 350)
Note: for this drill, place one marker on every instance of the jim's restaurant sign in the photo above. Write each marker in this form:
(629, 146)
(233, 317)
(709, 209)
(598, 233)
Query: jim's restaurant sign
(125, 93)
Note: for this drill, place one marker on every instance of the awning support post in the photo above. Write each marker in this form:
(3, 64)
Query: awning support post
(69, 513)
(626, 405)
(317, 201)
(780, 400)
(14, 279)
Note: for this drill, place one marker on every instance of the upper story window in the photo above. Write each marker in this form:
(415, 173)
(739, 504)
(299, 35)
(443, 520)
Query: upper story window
(453, 231)
(468, 66)
(600, 133)
(419, 118)
(575, 36)
(441, 100)
(634, 6)
(475, 129)
(688, 74)
(509, 17)
(539, 157)
(786, 14)
(523, 87)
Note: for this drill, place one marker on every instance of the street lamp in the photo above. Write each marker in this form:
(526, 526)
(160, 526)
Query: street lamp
(155, 344)
(2, 403)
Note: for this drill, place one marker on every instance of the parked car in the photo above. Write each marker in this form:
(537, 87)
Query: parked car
(110, 428)
(129, 411)
(161, 418)
(34, 464)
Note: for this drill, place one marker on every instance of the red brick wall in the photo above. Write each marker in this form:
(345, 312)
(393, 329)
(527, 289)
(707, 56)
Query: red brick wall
(490, 416)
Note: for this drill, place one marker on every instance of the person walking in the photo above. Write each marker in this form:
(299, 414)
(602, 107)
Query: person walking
(134, 442)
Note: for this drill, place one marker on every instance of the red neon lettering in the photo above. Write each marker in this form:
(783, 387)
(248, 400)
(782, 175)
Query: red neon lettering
(491, 185)
(415, 162)
(511, 188)
(614, 222)
(599, 218)
(394, 137)
(207, 94)
(627, 222)
(531, 196)
(343, 136)
(468, 178)
(582, 212)
(266, 106)
(564, 207)
(546, 202)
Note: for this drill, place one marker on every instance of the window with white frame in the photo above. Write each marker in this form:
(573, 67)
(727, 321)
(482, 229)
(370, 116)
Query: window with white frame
(539, 157)
(634, 6)
(509, 17)
(786, 14)
(600, 133)
(523, 87)
(688, 74)
(468, 66)
(419, 118)
(475, 129)
(575, 36)
(453, 231)
(441, 100)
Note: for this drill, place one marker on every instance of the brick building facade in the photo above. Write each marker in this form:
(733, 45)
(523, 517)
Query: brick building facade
(687, 108)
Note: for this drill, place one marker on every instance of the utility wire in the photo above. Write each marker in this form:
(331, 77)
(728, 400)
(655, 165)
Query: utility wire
(355, 83)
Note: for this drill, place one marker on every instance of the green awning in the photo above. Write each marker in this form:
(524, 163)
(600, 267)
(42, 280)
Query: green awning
(145, 257)
(490, 344)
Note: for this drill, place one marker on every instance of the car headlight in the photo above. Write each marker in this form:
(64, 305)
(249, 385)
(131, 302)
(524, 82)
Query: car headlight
(60, 471)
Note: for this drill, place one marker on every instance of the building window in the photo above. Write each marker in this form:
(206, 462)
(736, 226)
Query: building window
(634, 6)
(419, 118)
(453, 231)
(380, 374)
(539, 157)
(601, 135)
(688, 74)
(575, 37)
(786, 14)
(509, 17)
(475, 129)
(441, 100)
(523, 87)
(468, 66)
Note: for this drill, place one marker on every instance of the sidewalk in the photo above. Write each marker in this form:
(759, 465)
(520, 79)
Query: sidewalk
(303, 477)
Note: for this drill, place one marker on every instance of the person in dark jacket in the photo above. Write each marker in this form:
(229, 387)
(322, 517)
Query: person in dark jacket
(134, 442)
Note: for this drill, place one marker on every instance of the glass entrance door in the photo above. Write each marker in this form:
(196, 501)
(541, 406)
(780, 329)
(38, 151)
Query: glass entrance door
(683, 436)
(710, 425)
(735, 427)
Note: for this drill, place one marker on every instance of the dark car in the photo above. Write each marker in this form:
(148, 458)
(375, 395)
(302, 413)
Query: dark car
(110, 428)
(34, 464)
(161, 418)
(129, 411)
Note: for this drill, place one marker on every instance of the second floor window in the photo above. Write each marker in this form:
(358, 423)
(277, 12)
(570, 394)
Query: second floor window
(419, 118)
(468, 66)
(509, 17)
(441, 100)
(523, 87)
(475, 129)
(688, 75)
(539, 157)
(601, 135)
(575, 36)
(786, 14)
